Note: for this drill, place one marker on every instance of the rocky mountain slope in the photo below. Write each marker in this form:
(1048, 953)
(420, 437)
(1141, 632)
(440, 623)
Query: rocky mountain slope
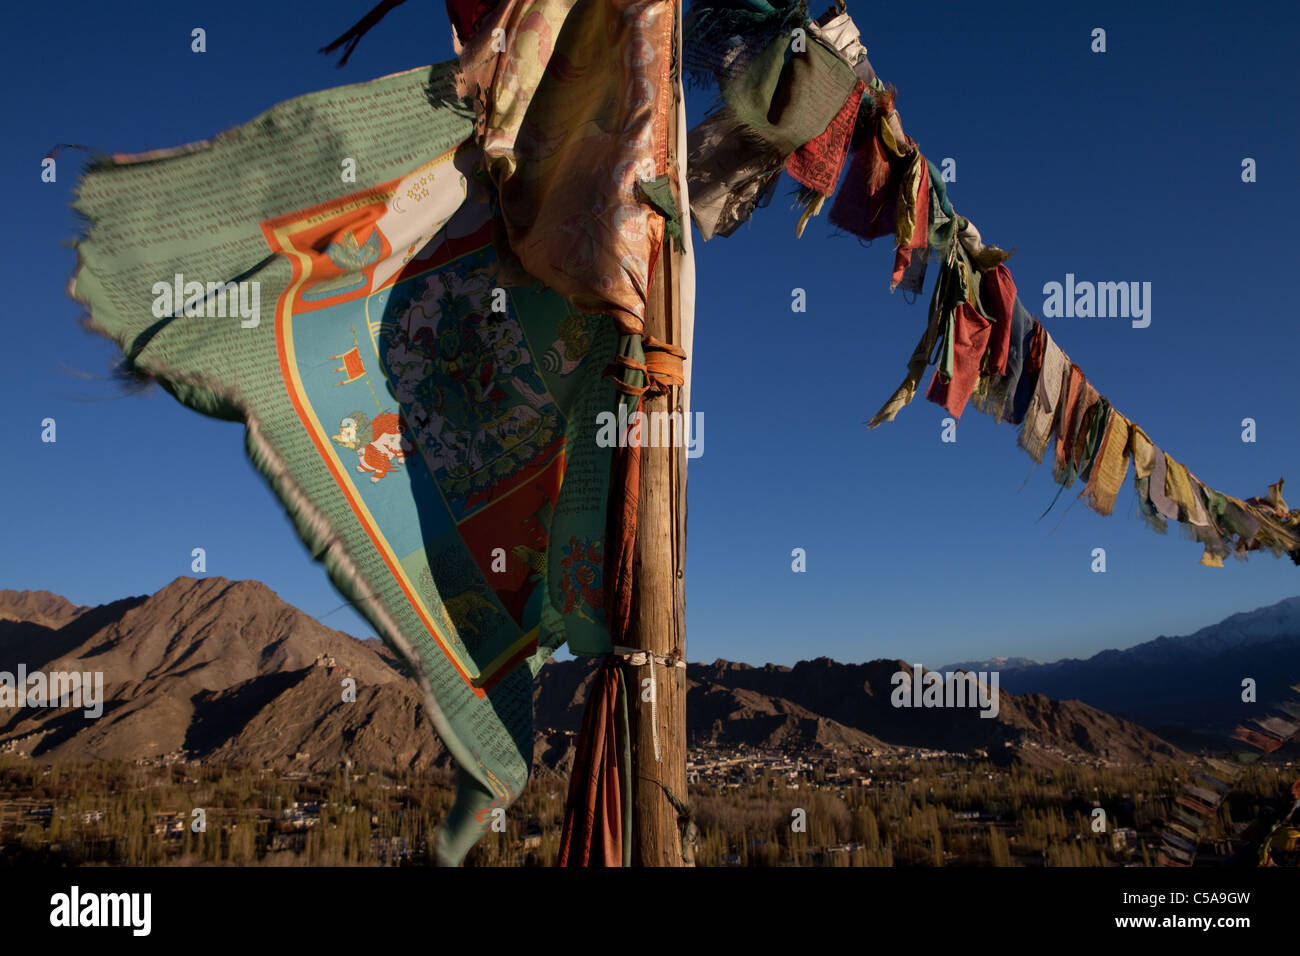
(226, 671)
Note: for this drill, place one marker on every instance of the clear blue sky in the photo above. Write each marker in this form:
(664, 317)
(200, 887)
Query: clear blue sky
(1122, 166)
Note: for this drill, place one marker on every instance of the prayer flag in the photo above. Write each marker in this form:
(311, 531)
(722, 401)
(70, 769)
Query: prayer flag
(459, 500)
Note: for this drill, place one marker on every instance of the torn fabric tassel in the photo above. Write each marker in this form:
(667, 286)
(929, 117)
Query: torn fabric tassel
(813, 208)
(912, 229)
(1066, 422)
(730, 174)
(1178, 488)
(1110, 467)
(921, 355)
(1087, 444)
(349, 39)
(982, 257)
(1040, 416)
(998, 296)
(866, 202)
(1035, 344)
(1158, 492)
(817, 164)
(969, 337)
(1083, 444)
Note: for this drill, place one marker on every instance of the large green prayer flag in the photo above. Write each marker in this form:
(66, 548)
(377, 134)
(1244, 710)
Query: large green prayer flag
(326, 274)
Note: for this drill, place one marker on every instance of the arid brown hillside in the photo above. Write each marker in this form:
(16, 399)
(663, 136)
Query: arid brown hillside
(224, 670)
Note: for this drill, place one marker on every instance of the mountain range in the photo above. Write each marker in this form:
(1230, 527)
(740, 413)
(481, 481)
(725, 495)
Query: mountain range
(1187, 689)
(225, 671)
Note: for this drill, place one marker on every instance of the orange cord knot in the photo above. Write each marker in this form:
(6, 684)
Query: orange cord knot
(662, 368)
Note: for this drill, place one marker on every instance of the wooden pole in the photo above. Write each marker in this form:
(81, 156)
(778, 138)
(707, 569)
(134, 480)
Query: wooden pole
(658, 626)
(658, 610)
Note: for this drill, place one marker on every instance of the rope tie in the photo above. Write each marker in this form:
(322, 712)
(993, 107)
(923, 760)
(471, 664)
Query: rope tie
(637, 657)
(662, 367)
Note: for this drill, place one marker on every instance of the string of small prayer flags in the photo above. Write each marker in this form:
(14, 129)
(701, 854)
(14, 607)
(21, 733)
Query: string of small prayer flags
(801, 95)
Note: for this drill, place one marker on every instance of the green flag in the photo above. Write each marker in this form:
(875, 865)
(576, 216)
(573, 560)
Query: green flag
(326, 275)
